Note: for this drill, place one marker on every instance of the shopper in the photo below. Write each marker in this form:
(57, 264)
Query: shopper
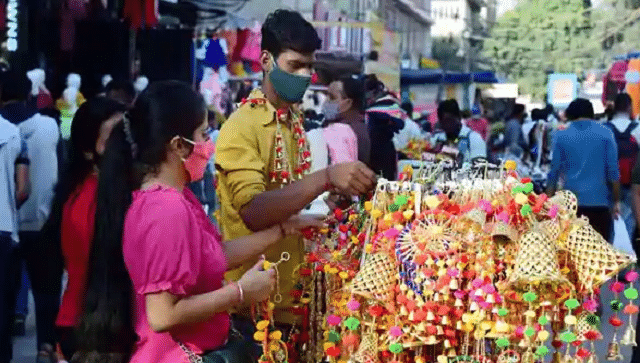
(154, 245)
(627, 134)
(14, 171)
(586, 157)
(384, 120)
(469, 143)
(41, 135)
(346, 98)
(478, 123)
(72, 219)
(263, 157)
(122, 91)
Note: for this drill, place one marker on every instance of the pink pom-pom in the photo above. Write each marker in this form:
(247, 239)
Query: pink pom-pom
(553, 211)
(503, 217)
(617, 287)
(488, 289)
(395, 332)
(590, 305)
(477, 283)
(459, 294)
(453, 272)
(631, 276)
(353, 305)
(333, 320)
(391, 233)
(485, 305)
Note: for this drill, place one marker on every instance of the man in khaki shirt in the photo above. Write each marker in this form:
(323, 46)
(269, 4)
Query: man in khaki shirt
(262, 153)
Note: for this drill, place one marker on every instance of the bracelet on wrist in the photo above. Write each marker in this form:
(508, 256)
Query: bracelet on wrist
(240, 293)
(328, 186)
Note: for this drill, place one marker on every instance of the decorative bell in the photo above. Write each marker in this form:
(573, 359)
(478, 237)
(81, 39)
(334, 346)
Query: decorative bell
(430, 316)
(447, 344)
(411, 316)
(440, 330)
(459, 325)
(436, 297)
(453, 285)
(458, 303)
(613, 352)
(445, 320)
(474, 306)
(452, 353)
(629, 337)
(490, 299)
(593, 358)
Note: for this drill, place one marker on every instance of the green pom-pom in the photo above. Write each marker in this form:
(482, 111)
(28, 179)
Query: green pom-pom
(593, 320)
(526, 210)
(502, 342)
(393, 208)
(616, 305)
(568, 337)
(517, 190)
(352, 323)
(571, 303)
(543, 320)
(542, 350)
(529, 332)
(401, 200)
(631, 293)
(395, 348)
(503, 312)
(334, 337)
(528, 188)
(530, 296)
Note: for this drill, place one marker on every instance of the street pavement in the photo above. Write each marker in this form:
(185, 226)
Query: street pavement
(25, 347)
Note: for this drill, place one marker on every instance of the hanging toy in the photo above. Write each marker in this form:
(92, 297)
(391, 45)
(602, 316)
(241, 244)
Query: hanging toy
(629, 336)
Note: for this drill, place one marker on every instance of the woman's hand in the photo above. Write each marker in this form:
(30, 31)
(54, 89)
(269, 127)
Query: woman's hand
(299, 222)
(257, 284)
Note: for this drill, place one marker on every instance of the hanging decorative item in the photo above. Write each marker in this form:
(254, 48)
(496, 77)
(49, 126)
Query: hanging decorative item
(452, 265)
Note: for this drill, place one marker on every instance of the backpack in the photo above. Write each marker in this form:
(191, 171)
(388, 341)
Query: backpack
(627, 151)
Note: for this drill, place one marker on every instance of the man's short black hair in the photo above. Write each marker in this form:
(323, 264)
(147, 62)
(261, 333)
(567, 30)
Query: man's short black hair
(353, 89)
(14, 86)
(449, 106)
(538, 114)
(518, 110)
(286, 29)
(579, 109)
(622, 103)
(408, 108)
(121, 85)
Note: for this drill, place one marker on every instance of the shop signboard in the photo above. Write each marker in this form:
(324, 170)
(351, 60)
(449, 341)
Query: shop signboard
(562, 88)
(12, 25)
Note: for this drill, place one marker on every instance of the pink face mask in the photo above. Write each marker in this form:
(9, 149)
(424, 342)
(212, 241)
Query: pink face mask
(196, 162)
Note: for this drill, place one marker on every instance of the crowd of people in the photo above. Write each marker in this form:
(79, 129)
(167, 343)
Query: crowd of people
(163, 267)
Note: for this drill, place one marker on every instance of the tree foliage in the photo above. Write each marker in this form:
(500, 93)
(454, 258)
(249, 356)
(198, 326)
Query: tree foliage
(541, 36)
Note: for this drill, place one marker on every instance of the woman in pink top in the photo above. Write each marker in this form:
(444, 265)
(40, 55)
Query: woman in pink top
(155, 247)
(342, 143)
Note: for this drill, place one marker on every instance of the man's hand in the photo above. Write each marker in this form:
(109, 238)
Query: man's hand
(352, 178)
(616, 210)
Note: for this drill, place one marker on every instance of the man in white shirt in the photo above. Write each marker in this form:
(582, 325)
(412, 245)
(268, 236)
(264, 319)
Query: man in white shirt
(627, 134)
(469, 143)
(14, 190)
(41, 135)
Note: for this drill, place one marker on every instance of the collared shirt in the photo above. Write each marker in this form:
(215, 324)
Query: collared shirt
(244, 159)
(586, 156)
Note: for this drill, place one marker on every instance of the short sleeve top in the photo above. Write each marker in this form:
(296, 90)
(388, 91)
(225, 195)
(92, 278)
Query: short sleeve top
(170, 245)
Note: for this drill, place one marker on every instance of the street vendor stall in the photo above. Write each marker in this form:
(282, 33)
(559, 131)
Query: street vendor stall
(451, 265)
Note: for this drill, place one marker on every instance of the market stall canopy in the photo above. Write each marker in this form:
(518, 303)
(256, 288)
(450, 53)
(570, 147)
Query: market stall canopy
(430, 76)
